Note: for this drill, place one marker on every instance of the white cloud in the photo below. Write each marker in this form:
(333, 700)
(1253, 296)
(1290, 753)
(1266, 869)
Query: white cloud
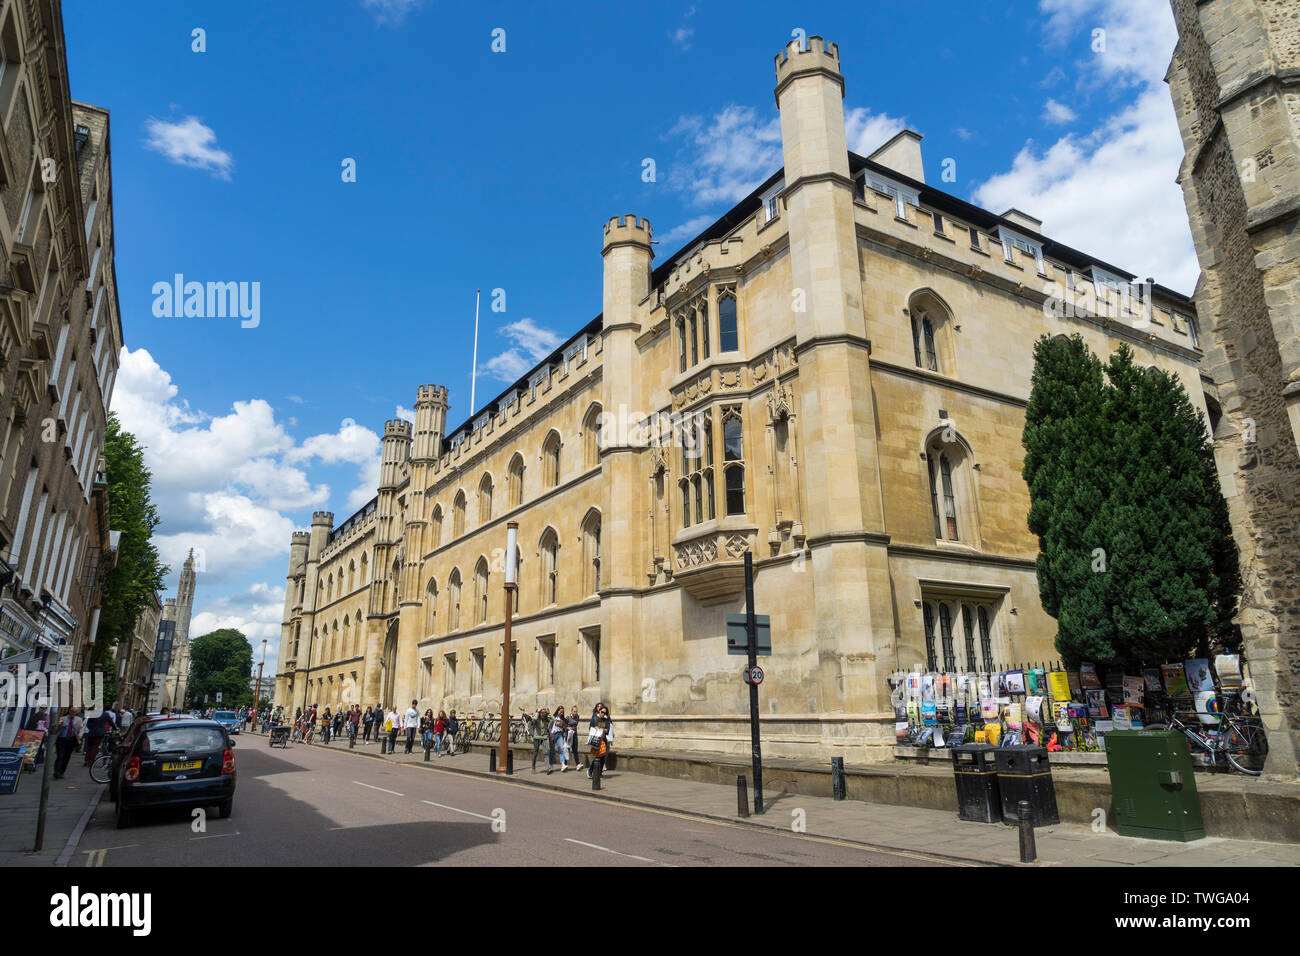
(1111, 192)
(255, 612)
(681, 37)
(405, 414)
(963, 133)
(235, 535)
(391, 11)
(1058, 113)
(727, 156)
(687, 230)
(189, 143)
(530, 344)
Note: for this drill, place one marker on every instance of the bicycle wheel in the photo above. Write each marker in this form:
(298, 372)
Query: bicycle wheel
(101, 768)
(1246, 746)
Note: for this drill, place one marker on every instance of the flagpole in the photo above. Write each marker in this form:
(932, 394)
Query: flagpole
(473, 372)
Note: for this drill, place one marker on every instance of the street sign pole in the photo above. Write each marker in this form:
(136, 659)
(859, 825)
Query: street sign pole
(751, 633)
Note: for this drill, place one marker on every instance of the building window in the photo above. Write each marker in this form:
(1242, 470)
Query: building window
(481, 589)
(476, 672)
(591, 437)
(453, 599)
(485, 500)
(551, 460)
(938, 223)
(458, 515)
(549, 552)
(728, 324)
(928, 616)
(943, 502)
(968, 624)
(1192, 331)
(546, 662)
(693, 330)
(436, 529)
(945, 634)
(916, 341)
(697, 470)
(591, 553)
(431, 607)
(681, 345)
(986, 639)
(931, 356)
(733, 459)
(516, 481)
(590, 657)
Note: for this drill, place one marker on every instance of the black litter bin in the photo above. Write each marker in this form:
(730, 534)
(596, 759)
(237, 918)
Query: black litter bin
(976, 773)
(1025, 774)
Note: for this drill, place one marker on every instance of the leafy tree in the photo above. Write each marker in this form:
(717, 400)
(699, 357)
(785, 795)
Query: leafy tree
(138, 573)
(1136, 560)
(221, 661)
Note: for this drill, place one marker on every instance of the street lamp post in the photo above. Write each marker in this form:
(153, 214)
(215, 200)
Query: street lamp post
(257, 694)
(512, 539)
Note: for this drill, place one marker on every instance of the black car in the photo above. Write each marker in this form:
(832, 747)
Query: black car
(174, 762)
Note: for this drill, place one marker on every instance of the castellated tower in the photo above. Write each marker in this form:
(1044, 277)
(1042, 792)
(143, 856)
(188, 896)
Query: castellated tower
(627, 255)
(180, 670)
(430, 423)
(286, 659)
(845, 501)
(389, 527)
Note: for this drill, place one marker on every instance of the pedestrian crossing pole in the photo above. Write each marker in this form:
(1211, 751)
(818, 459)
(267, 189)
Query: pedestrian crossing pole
(512, 569)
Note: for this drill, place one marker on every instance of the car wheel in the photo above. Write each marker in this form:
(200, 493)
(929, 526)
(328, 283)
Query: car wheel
(224, 809)
(123, 815)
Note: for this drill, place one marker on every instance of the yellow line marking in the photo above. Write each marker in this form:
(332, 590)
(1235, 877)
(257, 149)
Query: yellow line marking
(95, 857)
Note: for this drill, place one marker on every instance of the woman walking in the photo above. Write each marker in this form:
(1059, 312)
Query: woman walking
(560, 738)
(426, 730)
(366, 720)
(572, 736)
(599, 736)
(439, 728)
(541, 727)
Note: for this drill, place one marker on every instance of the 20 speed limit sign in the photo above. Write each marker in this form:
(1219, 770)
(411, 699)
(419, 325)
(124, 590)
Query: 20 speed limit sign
(754, 675)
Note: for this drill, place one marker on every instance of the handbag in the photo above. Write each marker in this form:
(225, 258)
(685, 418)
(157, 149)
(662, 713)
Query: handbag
(595, 734)
(598, 749)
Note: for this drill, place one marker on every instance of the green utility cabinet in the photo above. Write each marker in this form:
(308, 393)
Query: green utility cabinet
(1153, 786)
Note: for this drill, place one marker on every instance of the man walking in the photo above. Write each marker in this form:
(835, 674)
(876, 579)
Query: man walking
(67, 735)
(453, 727)
(409, 723)
(354, 722)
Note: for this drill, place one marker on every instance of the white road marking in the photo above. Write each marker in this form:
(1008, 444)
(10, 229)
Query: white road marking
(373, 787)
(458, 810)
(594, 846)
(107, 848)
(213, 836)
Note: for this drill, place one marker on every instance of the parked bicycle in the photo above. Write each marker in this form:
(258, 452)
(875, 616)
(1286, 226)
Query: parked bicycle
(1237, 736)
(101, 768)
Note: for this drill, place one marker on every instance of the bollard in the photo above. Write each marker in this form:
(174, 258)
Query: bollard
(837, 778)
(426, 753)
(742, 797)
(492, 760)
(1028, 851)
(352, 741)
(596, 769)
(510, 761)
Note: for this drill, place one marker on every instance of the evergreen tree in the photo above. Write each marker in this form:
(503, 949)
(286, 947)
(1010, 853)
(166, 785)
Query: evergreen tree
(1136, 562)
(138, 573)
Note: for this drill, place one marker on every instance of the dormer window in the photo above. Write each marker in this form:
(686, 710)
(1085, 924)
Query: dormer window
(573, 351)
(1014, 240)
(901, 195)
(540, 377)
(772, 202)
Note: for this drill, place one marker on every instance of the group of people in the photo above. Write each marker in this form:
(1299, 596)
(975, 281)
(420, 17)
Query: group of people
(76, 731)
(557, 733)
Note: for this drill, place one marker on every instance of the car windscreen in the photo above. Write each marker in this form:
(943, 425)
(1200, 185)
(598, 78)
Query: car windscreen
(163, 739)
(224, 715)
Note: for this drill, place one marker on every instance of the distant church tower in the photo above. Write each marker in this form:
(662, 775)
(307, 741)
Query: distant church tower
(179, 610)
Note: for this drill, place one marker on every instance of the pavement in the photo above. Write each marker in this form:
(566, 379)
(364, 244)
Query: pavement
(909, 829)
(72, 801)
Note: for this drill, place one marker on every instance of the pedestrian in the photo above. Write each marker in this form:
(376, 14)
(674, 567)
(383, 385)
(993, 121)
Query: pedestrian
(96, 727)
(598, 737)
(439, 728)
(393, 723)
(354, 724)
(541, 733)
(411, 721)
(327, 721)
(559, 738)
(367, 719)
(572, 724)
(426, 730)
(67, 735)
(453, 727)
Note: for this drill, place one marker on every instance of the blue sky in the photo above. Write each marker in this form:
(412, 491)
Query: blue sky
(483, 169)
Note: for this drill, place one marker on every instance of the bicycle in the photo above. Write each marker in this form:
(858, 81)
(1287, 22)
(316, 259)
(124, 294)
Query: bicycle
(101, 768)
(1239, 737)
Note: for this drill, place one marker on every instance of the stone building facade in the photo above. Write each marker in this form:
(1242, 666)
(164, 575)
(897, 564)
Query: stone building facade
(833, 376)
(60, 334)
(135, 659)
(1235, 81)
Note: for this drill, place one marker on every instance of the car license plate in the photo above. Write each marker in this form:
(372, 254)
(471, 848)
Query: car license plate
(187, 765)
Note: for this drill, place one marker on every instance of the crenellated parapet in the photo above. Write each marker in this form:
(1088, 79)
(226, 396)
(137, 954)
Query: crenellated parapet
(628, 230)
(802, 59)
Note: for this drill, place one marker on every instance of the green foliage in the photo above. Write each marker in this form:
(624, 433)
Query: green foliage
(138, 573)
(1136, 560)
(221, 661)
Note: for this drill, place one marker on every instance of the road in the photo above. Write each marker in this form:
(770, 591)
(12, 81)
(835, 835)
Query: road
(317, 807)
